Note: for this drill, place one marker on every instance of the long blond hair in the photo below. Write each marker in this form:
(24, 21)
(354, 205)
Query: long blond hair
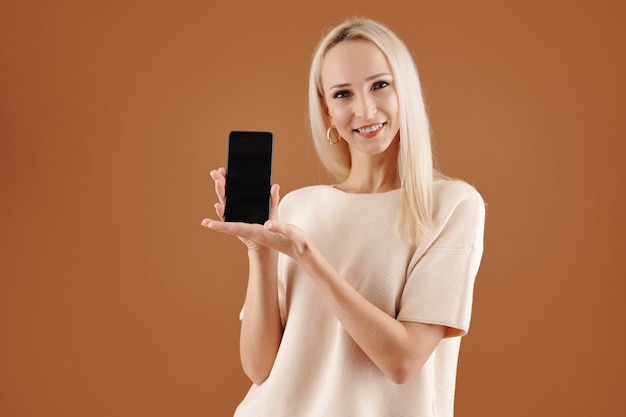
(415, 159)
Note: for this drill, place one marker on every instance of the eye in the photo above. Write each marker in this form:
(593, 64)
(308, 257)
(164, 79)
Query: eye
(342, 94)
(379, 84)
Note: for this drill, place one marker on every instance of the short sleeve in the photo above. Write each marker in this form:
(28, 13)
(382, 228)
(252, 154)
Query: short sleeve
(440, 280)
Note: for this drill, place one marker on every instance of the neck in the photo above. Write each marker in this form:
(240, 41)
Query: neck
(372, 174)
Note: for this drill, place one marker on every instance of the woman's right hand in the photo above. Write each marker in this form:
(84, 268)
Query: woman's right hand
(219, 177)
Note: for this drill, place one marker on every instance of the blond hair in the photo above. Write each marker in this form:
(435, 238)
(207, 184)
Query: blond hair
(415, 159)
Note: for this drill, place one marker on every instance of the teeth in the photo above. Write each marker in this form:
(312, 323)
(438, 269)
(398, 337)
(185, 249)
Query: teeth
(371, 129)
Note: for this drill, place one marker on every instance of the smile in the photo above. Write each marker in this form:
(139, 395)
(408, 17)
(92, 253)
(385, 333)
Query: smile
(370, 129)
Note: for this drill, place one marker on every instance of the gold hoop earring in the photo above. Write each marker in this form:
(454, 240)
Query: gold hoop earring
(333, 139)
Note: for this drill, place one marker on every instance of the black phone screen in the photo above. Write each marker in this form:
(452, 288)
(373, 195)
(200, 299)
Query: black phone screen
(248, 176)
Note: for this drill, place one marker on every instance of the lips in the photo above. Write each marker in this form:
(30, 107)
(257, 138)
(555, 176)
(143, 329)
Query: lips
(370, 128)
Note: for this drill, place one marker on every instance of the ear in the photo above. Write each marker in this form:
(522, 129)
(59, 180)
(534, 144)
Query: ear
(325, 111)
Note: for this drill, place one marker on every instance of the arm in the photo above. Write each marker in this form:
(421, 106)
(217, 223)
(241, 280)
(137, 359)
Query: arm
(261, 326)
(398, 349)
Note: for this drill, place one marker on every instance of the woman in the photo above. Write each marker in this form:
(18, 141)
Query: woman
(358, 292)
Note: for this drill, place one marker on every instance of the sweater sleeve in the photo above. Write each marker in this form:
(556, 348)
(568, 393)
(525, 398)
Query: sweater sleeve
(440, 278)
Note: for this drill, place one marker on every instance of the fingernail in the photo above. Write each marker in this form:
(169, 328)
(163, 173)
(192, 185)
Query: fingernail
(205, 223)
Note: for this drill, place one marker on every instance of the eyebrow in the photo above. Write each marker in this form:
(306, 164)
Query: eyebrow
(371, 77)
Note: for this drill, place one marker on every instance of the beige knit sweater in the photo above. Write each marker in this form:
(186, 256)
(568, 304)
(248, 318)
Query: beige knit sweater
(319, 370)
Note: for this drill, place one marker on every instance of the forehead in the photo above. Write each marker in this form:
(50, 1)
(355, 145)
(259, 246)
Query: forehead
(351, 62)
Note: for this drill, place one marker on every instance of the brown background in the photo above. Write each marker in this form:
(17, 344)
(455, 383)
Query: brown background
(115, 302)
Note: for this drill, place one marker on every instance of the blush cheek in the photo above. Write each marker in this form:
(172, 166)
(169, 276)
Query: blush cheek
(341, 120)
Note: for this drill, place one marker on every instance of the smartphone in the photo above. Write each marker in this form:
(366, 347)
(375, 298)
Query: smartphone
(248, 176)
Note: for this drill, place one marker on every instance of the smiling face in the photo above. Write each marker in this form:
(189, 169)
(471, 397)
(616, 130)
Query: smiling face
(360, 97)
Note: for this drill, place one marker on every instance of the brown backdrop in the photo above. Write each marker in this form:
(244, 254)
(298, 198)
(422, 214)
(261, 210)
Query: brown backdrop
(115, 302)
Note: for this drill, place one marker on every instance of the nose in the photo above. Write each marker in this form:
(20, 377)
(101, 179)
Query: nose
(365, 108)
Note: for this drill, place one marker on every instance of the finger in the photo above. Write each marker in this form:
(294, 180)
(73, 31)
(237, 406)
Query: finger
(217, 174)
(219, 210)
(217, 225)
(206, 222)
(274, 200)
(277, 227)
(220, 184)
(251, 231)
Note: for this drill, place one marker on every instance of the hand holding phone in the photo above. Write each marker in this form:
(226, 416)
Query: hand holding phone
(248, 176)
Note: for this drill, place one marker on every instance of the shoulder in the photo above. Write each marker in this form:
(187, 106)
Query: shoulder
(459, 213)
(452, 190)
(304, 197)
(451, 194)
(304, 193)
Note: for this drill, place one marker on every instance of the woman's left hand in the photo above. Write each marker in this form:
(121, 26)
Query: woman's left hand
(285, 238)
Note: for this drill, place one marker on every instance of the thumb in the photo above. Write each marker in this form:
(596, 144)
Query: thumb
(274, 200)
